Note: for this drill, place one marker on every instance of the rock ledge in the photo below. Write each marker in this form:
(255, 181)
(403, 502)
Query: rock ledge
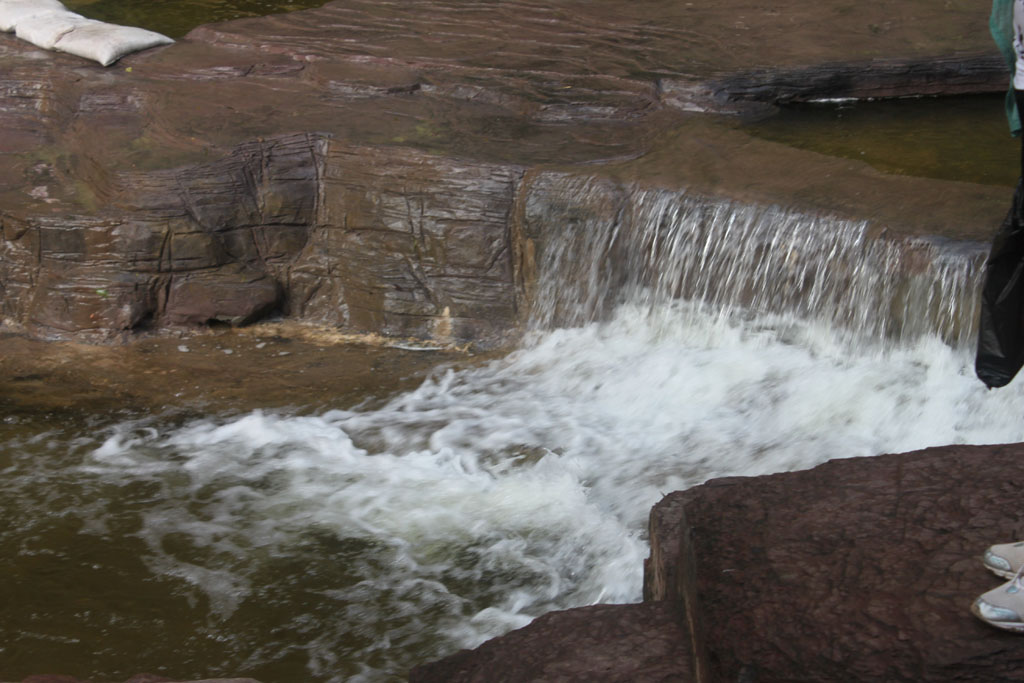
(856, 570)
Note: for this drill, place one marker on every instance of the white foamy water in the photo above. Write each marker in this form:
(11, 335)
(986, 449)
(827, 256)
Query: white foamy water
(489, 496)
(708, 340)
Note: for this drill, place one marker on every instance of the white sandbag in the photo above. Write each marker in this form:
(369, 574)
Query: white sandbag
(107, 43)
(14, 11)
(44, 30)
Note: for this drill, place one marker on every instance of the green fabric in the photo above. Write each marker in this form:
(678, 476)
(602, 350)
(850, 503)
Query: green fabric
(1000, 24)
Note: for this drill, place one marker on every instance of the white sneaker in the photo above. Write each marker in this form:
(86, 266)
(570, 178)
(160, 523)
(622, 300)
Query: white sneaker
(1003, 607)
(1004, 559)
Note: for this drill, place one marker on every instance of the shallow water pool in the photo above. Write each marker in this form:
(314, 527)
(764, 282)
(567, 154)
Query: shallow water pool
(175, 18)
(950, 138)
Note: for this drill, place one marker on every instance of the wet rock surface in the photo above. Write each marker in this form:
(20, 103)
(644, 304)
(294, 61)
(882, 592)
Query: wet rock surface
(367, 240)
(642, 643)
(360, 165)
(856, 570)
(260, 367)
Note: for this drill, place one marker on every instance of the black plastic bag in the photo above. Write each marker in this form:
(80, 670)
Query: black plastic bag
(1001, 328)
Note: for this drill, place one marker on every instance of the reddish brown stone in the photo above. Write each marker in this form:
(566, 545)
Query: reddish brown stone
(347, 166)
(857, 570)
(601, 644)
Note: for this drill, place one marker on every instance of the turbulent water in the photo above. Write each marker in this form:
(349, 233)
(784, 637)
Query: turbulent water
(675, 339)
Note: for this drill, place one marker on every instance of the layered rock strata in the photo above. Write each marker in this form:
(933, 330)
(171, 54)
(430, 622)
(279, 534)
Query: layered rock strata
(363, 165)
(372, 240)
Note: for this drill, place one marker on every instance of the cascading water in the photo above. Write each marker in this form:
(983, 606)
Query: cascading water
(674, 339)
(654, 247)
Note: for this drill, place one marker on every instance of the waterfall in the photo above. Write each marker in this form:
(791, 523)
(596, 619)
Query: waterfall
(674, 338)
(650, 247)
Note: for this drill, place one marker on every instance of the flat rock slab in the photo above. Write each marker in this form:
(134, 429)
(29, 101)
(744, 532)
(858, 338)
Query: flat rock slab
(621, 39)
(600, 644)
(357, 165)
(857, 570)
(262, 367)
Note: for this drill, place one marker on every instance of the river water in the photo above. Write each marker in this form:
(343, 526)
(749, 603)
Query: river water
(680, 340)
